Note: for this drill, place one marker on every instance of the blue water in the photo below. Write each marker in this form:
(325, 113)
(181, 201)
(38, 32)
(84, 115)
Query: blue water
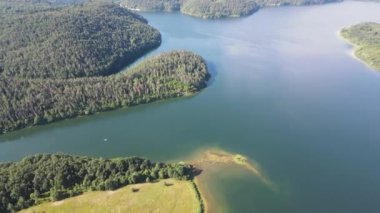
(285, 91)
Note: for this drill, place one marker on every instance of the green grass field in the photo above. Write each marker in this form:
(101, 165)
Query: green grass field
(180, 196)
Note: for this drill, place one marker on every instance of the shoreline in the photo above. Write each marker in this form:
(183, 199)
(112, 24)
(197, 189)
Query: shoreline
(353, 50)
(200, 196)
(212, 161)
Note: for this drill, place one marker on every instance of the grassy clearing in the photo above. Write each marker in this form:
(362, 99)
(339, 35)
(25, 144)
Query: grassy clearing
(164, 196)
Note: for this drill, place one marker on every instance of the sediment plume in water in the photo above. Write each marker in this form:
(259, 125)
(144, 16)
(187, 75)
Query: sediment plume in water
(221, 158)
(209, 162)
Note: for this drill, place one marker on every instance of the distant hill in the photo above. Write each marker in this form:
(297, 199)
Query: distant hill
(275, 3)
(75, 41)
(210, 9)
(152, 5)
(213, 9)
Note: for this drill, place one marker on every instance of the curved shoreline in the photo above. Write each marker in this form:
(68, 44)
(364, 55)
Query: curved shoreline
(100, 94)
(210, 162)
(353, 49)
(201, 198)
(255, 8)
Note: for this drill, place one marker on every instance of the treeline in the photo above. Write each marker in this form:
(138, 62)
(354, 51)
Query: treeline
(20, 6)
(199, 8)
(29, 102)
(52, 177)
(274, 3)
(73, 41)
(213, 9)
(152, 5)
(366, 36)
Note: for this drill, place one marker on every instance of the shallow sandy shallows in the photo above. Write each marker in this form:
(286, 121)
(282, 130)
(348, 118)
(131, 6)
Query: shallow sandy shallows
(211, 162)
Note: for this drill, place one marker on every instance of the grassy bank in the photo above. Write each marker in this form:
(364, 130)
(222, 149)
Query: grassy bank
(155, 195)
(164, 196)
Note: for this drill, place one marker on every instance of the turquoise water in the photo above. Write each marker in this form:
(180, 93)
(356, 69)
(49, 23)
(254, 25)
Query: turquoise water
(285, 92)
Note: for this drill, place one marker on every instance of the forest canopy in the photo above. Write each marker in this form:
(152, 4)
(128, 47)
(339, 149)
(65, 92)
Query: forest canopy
(29, 102)
(52, 177)
(74, 41)
(152, 5)
(366, 38)
(213, 9)
(56, 63)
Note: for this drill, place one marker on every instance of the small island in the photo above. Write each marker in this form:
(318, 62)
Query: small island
(365, 38)
(213, 9)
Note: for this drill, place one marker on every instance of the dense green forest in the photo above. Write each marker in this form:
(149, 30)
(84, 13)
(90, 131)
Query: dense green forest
(212, 9)
(152, 5)
(55, 62)
(74, 41)
(199, 8)
(56, 176)
(7, 7)
(273, 3)
(366, 38)
(28, 102)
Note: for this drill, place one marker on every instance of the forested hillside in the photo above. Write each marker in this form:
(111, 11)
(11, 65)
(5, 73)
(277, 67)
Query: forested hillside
(152, 5)
(75, 41)
(28, 102)
(55, 63)
(55, 177)
(24, 6)
(274, 3)
(366, 38)
(213, 9)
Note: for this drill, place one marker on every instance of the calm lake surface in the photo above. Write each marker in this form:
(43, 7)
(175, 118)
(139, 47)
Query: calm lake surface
(285, 92)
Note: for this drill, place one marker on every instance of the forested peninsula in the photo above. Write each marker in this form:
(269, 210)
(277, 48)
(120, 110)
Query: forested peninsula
(213, 9)
(52, 177)
(56, 63)
(28, 102)
(366, 39)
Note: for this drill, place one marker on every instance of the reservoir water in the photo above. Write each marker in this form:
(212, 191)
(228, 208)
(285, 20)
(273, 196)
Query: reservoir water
(285, 92)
